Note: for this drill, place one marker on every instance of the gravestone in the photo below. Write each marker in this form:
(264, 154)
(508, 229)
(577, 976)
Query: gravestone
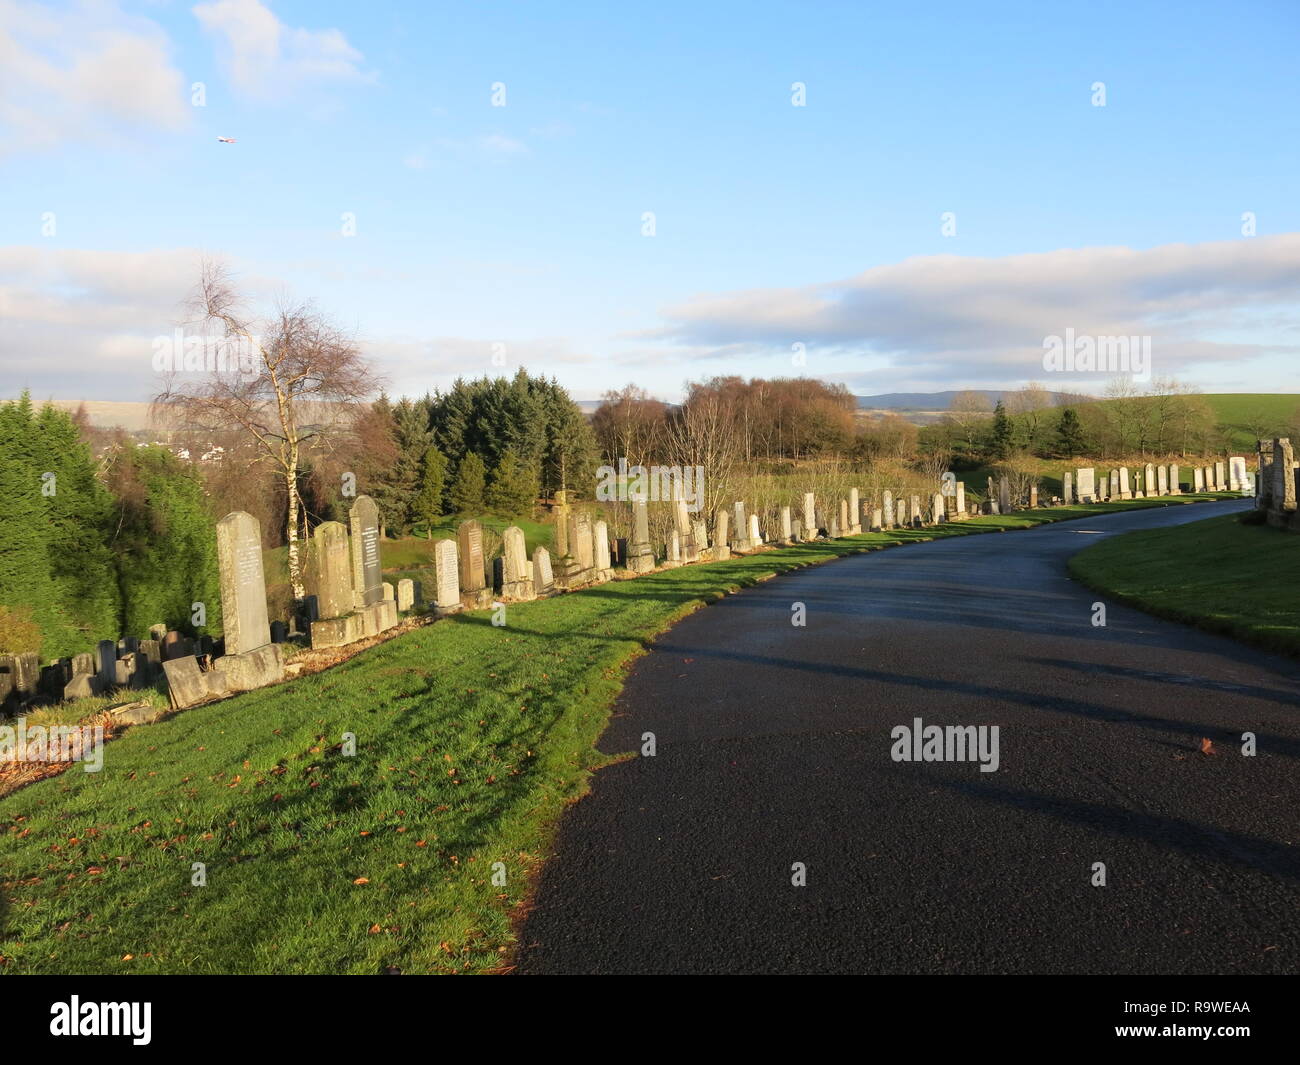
(333, 561)
(937, 508)
(1083, 483)
(810, 515)
(1033, 495)
(600, 545)
(469, 549)
(641, 557)
(516, 578)
(585, 546)
(877, 517)
(1198, 479)
(887, 511)
(1004, 496)
(390, 594)
(1175, 489)
(107, 661)
(902, 512)
(673, 550)
(446, 570)
(960, 495)
(915, 511)
(1162, 480)
(405, 593)
(367, 579)
(845, 524)
(543, 579)
(1125, 489)
(701, 539)
(1236, 473)
(243, 587)
(721, 547)
(855, 512)
(755, 532)
(279, 631)
(1220, 476)
(787, 527)
(740, 534)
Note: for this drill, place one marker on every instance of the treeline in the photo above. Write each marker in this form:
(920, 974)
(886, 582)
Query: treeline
(1164, 419)
(491, 446)
(97, 547)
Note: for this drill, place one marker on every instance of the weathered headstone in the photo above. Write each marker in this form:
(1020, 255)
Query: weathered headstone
(1004, 495)
(1220, 475)
(887, 511)
(543, 579)
(1125, 489)
(787, 528)
(959, 497)
(1236, 473)
(915, 511)
(755, 531)
(405, 594)
(469, 549)
(367, 578)
(1084, 485)
(809, 516)
(446, 569)
(1198, 479)
(604, 564)
(721, 546)
(1175, 488)
(876, 520)
(740, 533)
(937, 508)
(333, 562)
(1162, 480)
(640, 556)
(107, 657)
(243, 587)
(516, 576)
(855, 512)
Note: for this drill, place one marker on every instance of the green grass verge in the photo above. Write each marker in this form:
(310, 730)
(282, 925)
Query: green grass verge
(1219, 575)
(470, 740)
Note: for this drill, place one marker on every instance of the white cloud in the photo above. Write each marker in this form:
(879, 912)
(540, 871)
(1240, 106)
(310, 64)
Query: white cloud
(262, 56)
(946, 318)
(86, 73)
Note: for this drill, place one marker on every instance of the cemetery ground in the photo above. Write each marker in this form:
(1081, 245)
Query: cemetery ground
(1219, 574)
(471, 740)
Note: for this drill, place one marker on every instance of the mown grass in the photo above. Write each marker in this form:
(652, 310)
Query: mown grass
(1218, 574)
(470, 740)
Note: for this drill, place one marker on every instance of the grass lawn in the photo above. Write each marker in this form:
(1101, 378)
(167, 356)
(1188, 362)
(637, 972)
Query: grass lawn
(470, 740)
(1220, 575)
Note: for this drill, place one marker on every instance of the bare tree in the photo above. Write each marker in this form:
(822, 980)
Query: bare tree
(287, 382)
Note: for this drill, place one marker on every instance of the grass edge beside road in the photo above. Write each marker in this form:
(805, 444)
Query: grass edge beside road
(1218, 575)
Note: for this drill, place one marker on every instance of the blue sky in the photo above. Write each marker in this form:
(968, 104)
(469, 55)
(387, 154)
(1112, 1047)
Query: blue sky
(774, 224)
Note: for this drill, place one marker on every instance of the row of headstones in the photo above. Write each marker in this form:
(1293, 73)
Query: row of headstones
(586, 554)
(1084, 486)
(1277, 483)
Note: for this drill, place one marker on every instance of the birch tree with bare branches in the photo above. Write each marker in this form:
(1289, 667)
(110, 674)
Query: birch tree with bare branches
(289, 382)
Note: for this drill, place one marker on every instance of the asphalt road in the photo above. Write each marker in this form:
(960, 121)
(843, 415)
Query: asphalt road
(774, 748)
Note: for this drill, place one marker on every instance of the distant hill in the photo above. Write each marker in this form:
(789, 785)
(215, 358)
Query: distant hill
(929, 402)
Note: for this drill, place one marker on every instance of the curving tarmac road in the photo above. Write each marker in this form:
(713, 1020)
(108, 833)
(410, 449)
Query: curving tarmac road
(773, 747)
